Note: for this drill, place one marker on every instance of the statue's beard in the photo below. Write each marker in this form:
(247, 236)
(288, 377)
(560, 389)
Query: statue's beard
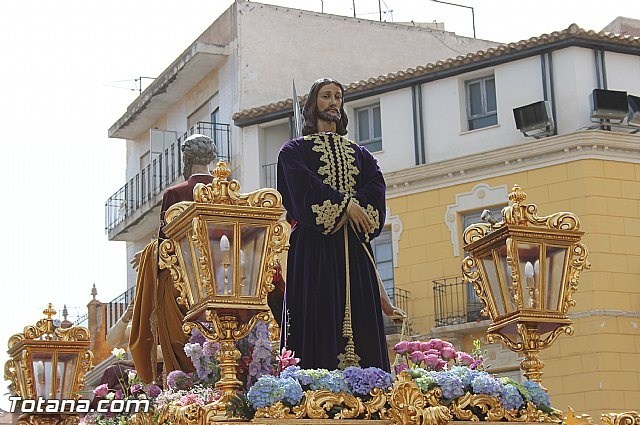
(326, 116)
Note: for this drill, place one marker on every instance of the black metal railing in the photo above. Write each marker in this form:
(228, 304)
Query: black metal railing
(399, 298)
(115, 308)
(161, 173)
(456, 302)
(269, 171)
(82, 321)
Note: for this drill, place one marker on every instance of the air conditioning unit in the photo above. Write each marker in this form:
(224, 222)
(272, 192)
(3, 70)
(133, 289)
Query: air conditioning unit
(609, 105)
(535, 117)
(633, 118)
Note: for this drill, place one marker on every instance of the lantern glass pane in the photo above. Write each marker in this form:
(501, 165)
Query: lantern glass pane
(190, 267)
(491, 274)
(555, 261)
(506, 279)
(529, 265)
(43, 373)
(67, 363)
(221, 246)
(252, 248)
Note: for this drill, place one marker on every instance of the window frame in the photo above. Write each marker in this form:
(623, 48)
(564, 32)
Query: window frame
(372, 141)
(485, 113)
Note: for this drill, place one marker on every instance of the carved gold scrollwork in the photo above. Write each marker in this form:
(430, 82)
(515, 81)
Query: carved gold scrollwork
(577, 263)
(278, 244)
(10, 374)
(409, 406)
(41, 419)
(86, 364)
(476, 231)
(471, 275)
(512, 262)
(169, 261)
(626, 418)
(175, 210)
(280, 411)
(200, 238)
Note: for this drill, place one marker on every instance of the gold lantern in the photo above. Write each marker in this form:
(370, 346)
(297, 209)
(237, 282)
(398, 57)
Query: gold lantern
(222, 253)
(525, 269)
(48, 363)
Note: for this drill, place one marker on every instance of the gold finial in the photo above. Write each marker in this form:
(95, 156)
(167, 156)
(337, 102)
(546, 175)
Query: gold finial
(517, 195)
(221, 171)
(49, 312)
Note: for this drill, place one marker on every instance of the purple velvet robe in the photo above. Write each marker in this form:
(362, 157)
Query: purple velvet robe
(318, 175)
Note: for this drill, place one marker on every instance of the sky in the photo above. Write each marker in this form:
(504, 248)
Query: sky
(67, 73)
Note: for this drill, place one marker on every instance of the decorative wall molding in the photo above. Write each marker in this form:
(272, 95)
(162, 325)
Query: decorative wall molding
(481, 196)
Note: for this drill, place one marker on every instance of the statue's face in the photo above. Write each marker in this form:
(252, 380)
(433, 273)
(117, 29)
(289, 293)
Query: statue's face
(329, 102)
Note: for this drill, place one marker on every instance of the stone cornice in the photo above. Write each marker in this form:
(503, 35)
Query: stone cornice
(531, 154)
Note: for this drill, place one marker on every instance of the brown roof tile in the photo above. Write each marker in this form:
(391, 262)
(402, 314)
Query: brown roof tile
(572, 32)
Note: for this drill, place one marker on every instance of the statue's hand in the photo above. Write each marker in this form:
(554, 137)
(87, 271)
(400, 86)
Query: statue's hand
(135, 261)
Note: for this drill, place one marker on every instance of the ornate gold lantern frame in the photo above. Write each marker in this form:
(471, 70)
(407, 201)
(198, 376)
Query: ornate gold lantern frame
(47, 361)
(525, 269)
(223, 252)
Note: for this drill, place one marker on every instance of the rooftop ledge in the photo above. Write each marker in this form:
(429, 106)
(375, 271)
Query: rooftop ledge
(176, 81)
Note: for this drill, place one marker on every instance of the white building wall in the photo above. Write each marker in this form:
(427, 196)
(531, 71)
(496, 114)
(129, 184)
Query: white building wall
(305, 46)
(396, 114)
(623, 72)
(574, 72)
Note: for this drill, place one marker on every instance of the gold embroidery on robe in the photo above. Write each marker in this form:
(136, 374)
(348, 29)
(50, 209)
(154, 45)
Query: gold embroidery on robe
(328, 213)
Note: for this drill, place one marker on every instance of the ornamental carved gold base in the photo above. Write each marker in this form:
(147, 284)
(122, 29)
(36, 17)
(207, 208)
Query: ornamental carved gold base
(45, 419)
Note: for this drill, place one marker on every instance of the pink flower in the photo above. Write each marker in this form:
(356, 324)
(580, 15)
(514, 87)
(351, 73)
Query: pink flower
(417, 356)
(448, 353)
(441, 365)
(401, 347)
(433, 351)
(286, 358)
(426, 346)
(414, 346)
(401, 367)
(447, 344)
(436, 343)
(432, 360)
(101, 390)
(465, 358)
(191, 398)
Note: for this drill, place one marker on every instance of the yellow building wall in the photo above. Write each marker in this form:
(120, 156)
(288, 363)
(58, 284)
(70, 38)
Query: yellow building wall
(597, 370)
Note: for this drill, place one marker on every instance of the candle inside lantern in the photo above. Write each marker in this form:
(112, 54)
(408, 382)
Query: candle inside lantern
(225, 247)
(530, 282)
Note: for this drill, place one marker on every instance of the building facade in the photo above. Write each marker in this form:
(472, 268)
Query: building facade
(249, 56)
(446, 139)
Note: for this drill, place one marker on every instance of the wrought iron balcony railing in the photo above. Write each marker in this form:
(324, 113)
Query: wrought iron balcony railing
(399, 298)
(456, 302)
(161, 173)
(113, 310)
(269, 172)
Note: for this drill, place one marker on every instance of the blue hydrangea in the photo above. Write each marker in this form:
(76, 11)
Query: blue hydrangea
(292, 391)
(362, 381)
(510, 397)
(483, 383)
(539, 397)
(425, 382)
(265, 392)
(466, 374)
(451, 385)
(331, 381)
(302, 376)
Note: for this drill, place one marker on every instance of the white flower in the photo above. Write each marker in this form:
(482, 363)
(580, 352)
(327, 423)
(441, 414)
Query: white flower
(110, 396)
(132, 375)
(142, 397)
(118, 353)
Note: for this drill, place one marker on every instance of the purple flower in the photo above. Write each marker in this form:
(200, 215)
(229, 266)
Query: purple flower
(399, 368)
(210, 348)
(101, 390)
(135, 388)
(197, 337)
(119, 395)
(178, 380)
(153, 390)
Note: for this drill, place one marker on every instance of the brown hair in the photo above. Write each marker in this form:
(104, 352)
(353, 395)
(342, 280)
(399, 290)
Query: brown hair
(310, 110)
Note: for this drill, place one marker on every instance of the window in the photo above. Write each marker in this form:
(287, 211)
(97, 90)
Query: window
(383, 254)
(473, 303)
(481, 103)
(369, 127)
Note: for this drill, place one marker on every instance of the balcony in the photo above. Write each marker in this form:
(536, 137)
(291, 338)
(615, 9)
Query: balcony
(456, 303)
(143, 192)
(269, 173)
(399, 298)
